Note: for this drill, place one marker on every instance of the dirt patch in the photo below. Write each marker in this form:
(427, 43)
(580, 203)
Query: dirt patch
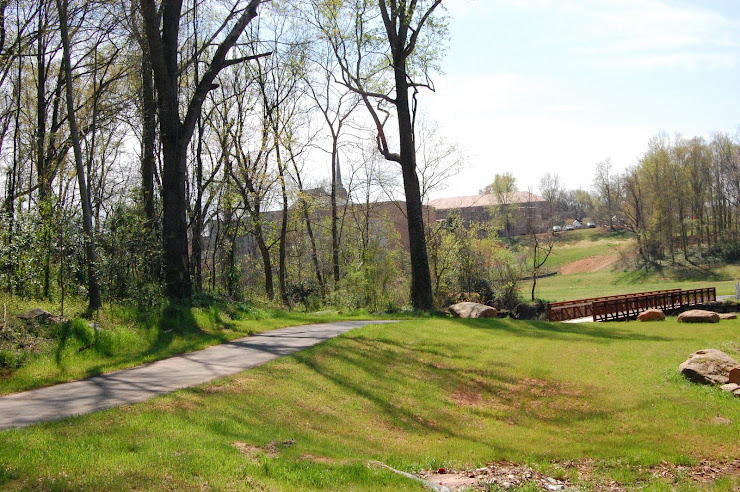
(248, 449)
(467, 396)
(541, 388)
(590, 264)
(273, 448)
(706, 471)
(528, 391)
(720, 420)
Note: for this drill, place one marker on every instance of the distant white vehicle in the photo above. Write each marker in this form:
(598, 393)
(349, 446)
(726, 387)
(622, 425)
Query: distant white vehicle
(569, 228)
(590, 225)
(556, 228)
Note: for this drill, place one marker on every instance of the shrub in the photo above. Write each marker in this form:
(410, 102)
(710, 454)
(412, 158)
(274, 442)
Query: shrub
(306, 292)
(530, 310)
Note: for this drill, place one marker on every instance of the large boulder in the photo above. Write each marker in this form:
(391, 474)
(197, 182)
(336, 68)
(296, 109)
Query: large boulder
(651, 315)
(472, 310)
(698, 316)
(708, 366)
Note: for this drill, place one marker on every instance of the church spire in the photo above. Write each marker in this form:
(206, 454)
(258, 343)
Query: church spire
(339, 175)
(341, 191)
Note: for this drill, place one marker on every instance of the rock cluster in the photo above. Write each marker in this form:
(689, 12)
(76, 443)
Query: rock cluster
(712, 366)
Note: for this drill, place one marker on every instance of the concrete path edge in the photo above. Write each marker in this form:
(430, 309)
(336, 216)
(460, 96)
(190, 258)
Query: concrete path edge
(137, 384)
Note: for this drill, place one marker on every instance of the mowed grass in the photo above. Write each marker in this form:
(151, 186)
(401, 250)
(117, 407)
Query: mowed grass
(417, 394)
(575, 245)
(128, 337)
(610, 282)
(597, 244)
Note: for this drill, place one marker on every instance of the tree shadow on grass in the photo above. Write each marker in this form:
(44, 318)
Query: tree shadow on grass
(698, 273)
(178, 321)
(397, 364)
(404, 394)
(598, 332)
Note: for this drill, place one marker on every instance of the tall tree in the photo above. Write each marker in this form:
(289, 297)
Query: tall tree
(386, 52)
(336, 107)
(162, 37)
(552, 191)
(503, 188)
(90, 251)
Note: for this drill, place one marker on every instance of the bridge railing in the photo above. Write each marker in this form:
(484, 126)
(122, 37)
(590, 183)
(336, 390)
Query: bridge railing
(627, 306)
(583, 308)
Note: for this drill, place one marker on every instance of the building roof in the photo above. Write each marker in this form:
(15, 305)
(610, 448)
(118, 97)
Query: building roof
(482, 200)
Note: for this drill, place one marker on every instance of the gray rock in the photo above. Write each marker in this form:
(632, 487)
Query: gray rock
(472, 310)
(708, 366)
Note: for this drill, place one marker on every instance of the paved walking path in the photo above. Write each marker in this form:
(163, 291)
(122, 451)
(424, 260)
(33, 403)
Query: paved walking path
(143, 382)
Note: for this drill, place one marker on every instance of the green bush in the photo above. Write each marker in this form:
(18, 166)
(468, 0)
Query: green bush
(306, 292)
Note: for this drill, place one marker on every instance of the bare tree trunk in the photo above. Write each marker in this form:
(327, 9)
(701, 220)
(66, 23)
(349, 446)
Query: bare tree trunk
(197, 225)
(149, 109)
(92, 274)
(421, 281)
(283, 226)
(266, 262)
(334, 229)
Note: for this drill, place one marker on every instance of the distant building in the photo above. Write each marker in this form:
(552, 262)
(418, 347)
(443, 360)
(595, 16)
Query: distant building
(481, 208)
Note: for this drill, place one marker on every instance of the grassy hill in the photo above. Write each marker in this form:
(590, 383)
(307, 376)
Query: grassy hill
(604, 401)
(595, 262)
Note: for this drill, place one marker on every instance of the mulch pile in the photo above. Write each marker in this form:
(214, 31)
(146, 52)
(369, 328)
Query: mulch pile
(506, 475)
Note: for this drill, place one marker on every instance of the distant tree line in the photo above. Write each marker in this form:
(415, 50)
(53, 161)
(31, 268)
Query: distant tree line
(682, 200)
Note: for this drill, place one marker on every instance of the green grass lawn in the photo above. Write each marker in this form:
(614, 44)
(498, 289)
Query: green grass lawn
(129, 337)
(415, 395)
(583, 244)
(609, 282)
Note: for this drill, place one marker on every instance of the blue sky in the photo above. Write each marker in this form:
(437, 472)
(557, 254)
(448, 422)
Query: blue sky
(536, 86)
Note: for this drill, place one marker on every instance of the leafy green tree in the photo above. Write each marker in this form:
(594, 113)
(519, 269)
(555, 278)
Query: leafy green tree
(162, 27)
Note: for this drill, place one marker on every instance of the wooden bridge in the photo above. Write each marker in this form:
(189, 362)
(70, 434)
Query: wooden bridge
(628, 306)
